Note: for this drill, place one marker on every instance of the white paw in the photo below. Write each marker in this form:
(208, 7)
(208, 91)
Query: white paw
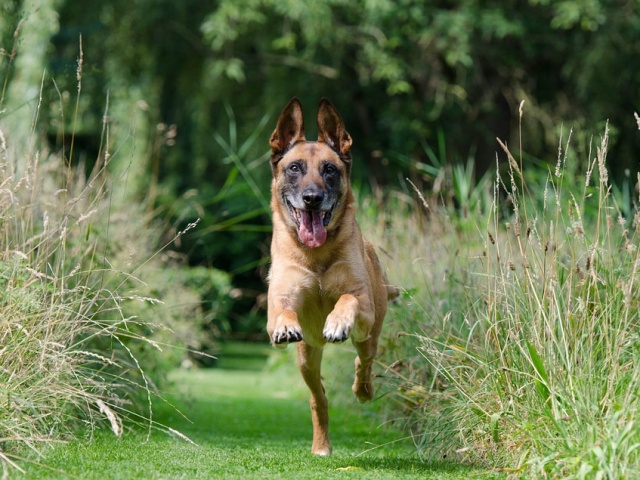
(337, 328)
(286, 334)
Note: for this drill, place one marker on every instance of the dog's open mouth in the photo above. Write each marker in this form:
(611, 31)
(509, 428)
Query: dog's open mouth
(312, 225)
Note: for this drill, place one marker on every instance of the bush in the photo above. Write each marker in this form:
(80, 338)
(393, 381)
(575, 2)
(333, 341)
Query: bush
(516, 341)
(92, 308)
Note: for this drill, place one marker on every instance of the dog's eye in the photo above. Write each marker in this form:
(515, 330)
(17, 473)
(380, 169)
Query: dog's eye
(330, 170)
(293, 168)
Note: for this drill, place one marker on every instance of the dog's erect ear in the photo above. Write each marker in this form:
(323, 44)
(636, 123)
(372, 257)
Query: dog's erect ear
(331, 128)
(290, 128)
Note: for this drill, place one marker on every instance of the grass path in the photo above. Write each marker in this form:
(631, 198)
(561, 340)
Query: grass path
(247, 423)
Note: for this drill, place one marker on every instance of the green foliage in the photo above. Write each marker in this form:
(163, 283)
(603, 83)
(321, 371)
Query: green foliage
(58, 305)
(236, 214)
(431, 64)
(82, 336)
(531, 282)
(519, 333)
(404, 75)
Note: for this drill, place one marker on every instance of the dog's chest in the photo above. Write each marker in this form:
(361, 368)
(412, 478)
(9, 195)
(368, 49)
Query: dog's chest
(316, 303)
(319, 301)
(312, 327)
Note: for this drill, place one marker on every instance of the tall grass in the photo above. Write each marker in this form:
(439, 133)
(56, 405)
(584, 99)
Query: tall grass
(56, 300)
(81, 338)
(519, 344)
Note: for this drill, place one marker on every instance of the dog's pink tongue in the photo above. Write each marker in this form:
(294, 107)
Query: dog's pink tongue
(312, 232)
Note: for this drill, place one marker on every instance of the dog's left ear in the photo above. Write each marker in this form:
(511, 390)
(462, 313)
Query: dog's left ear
(331, 129)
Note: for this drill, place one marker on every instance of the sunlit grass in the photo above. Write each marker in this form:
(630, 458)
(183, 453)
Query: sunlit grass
(263, 432)
(516, 343)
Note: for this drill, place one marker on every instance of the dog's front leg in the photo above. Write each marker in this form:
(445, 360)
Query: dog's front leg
(282, 320)
(284, 329)
(351, 315)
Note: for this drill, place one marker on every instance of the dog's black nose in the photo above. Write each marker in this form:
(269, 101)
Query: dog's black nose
(312, 198)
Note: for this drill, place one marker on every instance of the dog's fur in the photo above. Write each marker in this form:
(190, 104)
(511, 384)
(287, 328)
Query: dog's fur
(325, 283)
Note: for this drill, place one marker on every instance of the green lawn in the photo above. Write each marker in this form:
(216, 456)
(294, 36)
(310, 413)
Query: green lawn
(247, 423)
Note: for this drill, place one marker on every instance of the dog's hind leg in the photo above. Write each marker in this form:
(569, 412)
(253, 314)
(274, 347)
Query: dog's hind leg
(309, 361)
(367, 349)
(362, 384)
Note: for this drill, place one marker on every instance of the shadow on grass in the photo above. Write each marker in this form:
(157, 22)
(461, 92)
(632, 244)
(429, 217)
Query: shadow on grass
(407, 464)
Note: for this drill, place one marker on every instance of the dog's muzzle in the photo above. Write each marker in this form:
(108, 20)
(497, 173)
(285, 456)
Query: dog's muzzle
(311, 224)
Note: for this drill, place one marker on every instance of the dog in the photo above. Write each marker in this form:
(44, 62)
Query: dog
(325, 282)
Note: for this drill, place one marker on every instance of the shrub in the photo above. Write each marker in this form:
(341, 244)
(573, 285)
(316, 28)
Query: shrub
(92, 307)
(518, 338)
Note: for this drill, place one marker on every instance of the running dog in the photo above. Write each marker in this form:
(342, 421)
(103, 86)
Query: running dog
(325, 282)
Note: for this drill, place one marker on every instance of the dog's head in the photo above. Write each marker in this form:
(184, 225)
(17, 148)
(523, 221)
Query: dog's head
(310, 179)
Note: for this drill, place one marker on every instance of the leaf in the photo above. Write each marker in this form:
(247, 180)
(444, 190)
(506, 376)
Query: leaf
(495, 418)
(542, 384)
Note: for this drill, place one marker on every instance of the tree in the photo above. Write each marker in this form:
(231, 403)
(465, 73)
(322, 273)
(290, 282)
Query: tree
(407, 68)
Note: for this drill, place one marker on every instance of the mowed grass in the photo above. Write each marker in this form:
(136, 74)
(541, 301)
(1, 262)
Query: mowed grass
(250, 423)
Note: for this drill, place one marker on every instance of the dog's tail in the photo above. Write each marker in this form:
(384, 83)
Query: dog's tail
(392, 292)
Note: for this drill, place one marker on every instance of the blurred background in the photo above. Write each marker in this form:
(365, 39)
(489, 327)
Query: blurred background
(190, 92)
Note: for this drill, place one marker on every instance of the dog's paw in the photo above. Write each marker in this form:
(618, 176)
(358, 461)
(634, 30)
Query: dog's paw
(286, 334)
(362, 386)
(337, 329)
(363, 390)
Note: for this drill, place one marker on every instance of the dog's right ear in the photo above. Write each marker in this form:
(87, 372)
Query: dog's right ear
(289, 130)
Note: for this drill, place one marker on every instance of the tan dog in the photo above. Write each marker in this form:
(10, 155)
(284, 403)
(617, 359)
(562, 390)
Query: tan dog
(325, 283)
